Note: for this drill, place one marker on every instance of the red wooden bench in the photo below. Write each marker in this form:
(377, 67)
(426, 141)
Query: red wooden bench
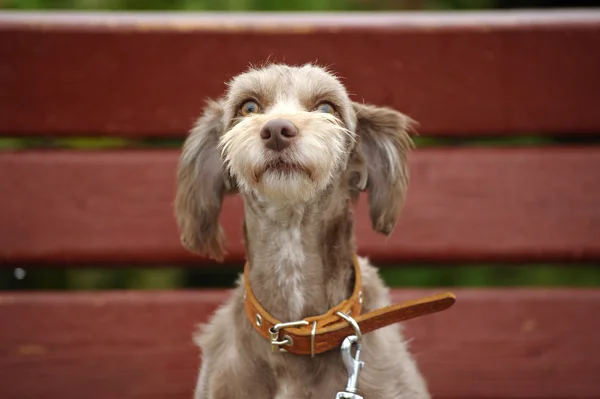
(468, 76)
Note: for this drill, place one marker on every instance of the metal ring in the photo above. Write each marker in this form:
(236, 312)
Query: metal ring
(312, 339)
(354, 325)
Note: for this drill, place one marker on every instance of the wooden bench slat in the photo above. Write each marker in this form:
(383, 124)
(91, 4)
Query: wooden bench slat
(505, 73)
(520, 204)
(517, 344)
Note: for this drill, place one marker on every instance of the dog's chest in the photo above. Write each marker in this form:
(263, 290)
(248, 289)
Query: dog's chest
(308, 378)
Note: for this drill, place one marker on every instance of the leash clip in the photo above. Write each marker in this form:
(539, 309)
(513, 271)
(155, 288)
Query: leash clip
(353, 363)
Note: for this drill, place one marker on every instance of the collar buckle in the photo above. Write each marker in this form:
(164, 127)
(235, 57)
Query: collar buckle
(276, 342)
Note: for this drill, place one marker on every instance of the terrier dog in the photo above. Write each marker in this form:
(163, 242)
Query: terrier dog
(290, 141)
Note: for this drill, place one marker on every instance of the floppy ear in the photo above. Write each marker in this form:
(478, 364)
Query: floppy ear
(384, 143)
(202, 183)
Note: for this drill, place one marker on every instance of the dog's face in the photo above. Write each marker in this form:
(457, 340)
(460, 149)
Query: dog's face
(283, 135)
(288, 132)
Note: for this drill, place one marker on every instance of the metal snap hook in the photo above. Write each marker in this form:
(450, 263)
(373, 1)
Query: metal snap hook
(353, 363)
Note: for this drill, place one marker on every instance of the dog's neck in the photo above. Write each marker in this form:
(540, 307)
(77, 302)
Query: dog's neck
(300, 255)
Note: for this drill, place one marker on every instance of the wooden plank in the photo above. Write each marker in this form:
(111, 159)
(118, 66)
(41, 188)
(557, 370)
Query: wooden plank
(464, 204)
(503, 73)
(492, 344)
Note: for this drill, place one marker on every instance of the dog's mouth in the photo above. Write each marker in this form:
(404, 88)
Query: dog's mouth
(283, 168)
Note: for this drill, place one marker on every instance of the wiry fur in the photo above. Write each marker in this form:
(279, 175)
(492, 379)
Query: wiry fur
(298, 230)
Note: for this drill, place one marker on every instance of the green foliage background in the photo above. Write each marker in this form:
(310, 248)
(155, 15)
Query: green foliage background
(249, 5)
(471, 275)
(288, 5)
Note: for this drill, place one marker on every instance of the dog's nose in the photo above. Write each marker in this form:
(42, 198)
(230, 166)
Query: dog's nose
(278, 134)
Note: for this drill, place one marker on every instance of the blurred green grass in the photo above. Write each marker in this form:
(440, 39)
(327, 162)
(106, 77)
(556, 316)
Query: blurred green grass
(286, 5)
(476, 275)
(246, 5)
(95, 143)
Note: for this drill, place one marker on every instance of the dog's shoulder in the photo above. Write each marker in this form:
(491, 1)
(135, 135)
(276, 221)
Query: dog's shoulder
(213, 331)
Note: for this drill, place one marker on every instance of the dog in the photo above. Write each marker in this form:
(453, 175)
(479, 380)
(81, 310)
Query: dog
(292, 143)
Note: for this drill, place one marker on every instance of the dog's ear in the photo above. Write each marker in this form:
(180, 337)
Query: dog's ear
(382, 146)
(202, 183)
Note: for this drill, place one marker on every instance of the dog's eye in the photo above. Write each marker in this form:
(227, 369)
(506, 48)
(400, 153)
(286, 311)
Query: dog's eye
(325, 107)
(249, 107)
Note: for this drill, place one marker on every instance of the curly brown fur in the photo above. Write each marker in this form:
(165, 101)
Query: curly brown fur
(298, 228)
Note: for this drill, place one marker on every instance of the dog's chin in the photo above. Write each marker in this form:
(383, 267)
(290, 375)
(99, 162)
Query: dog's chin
(286, 184)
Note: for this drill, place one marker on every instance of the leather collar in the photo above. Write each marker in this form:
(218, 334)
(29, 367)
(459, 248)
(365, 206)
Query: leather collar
(324, 332)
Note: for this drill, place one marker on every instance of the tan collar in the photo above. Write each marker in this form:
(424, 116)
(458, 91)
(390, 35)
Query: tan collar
(322, 333)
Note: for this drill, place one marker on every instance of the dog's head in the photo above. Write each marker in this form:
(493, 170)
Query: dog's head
(284, 135)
